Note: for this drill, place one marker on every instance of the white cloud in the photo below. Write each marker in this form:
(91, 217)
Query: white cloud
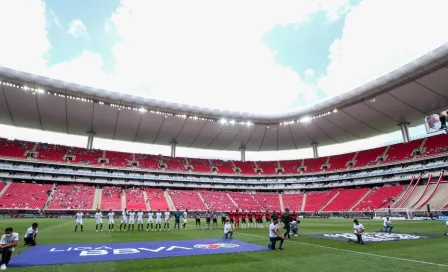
(219, 51)
(77, 29)
(309, 73)
(216, 58)
(24, 42)
(380, 36)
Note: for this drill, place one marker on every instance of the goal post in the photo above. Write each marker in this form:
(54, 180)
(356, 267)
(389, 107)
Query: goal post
(394, 212)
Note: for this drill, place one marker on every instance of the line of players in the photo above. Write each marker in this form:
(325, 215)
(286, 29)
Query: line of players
(238, 219)
(128, 220)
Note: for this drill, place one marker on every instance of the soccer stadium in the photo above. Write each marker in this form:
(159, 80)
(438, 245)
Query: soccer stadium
(107, 199)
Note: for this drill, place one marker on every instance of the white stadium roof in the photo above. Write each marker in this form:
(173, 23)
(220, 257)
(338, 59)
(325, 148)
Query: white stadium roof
(405, 95)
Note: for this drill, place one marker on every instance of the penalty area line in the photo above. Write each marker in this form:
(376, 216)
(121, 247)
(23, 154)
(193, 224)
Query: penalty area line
(356, 252)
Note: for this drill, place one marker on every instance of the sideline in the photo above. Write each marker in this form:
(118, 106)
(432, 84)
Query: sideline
(353, 251)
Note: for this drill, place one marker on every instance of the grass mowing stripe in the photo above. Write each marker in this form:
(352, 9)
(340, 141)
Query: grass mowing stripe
(356, 252)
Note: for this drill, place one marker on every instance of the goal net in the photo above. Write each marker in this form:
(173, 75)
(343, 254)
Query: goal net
(393, 213)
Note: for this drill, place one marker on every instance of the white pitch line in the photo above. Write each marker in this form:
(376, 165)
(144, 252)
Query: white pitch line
(357, 252)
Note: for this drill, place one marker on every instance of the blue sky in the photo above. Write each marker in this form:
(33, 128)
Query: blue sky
(302, 46)
(94, 15)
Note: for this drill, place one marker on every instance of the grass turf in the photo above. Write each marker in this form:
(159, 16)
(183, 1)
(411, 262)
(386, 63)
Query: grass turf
(302, 253)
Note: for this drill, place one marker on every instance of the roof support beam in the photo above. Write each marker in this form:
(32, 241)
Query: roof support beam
(315, 150)
(90, 137)
(173, 149)
(243, 153)
(405, 132)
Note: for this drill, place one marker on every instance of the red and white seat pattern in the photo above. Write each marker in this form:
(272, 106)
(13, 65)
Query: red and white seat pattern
(435, 145)
(72, 197)
(111, 198)
(25, 196)
(190, 200)
(156, 199)
(217, 201)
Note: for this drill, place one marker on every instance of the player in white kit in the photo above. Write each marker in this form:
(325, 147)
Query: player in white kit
(124, 219)
(150, 221)
(111, 216)
(185, 217)
(78, 222)
(99, 220)
(131, 220)
(140, 220)
(159, 220)
(166, 225)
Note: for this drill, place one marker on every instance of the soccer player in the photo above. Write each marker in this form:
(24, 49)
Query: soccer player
(267, 215)
(177, 215)
(30, 235)
(295, 226)
(275, 235)
(237, 217)
(359, 230)
(228, 230)
(294, 216)
(124, 219)
(166, 225)
(223, 218)
(250, 218)
(259, 219)
(231, 218)
(99, 220)
(111, 220)
(387, 225)
(286, 218)
(78, 222)
(446, 227)
(7, 244)
(215, 220)
(150, 221)
(131, 220)
(140, 220)
(185, 217)
(198, 220)
(159, 220)
(208, 217)
(243, 219)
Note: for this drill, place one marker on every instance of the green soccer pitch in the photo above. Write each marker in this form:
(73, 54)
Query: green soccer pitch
(300, 254)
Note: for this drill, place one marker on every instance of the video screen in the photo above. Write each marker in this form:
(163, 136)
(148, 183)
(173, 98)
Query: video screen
(436, 122)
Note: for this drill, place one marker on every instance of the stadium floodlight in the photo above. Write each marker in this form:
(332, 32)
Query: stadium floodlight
(305, 119)
(223, 121)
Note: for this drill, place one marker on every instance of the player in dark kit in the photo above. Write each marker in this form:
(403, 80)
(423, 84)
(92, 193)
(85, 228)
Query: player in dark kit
(198, 220)
(208, 217)
(267, 215)
(250, 218)
(286, 218)
(237, 219)
(177, 216)
(215, 220)
(243, 220)
(223, 219)
(231, 218)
